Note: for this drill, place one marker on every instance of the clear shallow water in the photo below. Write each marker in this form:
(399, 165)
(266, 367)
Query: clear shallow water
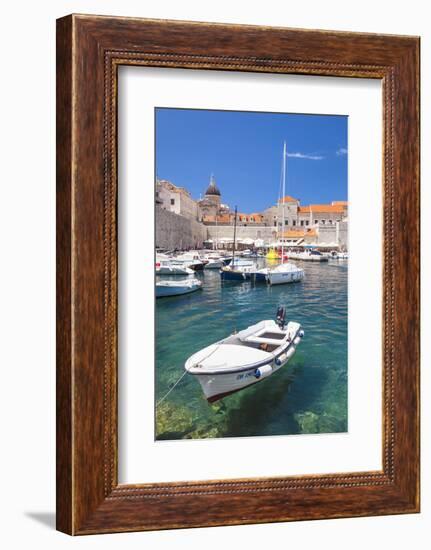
(308, 395)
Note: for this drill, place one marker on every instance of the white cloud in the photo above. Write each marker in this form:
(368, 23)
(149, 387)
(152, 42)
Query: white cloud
(342, 151)
(304, 156)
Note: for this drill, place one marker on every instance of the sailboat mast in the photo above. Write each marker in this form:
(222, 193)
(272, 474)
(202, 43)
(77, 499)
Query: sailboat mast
(234, 239)
(283, 194)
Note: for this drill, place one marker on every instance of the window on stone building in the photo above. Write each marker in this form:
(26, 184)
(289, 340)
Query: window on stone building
(275, 224)
(307, 222)
(302, 222)
(293, 222)
(323, 221)
(172, 202)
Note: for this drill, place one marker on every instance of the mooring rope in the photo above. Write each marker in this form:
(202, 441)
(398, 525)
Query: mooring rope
(168, 392)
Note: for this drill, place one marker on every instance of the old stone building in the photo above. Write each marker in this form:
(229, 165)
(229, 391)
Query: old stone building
(176, 199)
(210, 219)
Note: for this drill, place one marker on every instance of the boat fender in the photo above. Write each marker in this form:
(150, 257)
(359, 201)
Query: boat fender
(297, 340)
(301, 333)
(281, 359)
(263, 372)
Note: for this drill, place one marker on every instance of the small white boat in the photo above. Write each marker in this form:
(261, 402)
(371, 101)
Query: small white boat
(190, 259)
(167, 267)
(334, 255)
(308, 256)
(285, 273)
(176, 288)
(245, 358)
(214, 262)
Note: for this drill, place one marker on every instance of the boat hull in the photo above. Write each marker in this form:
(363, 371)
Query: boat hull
(256, 276)
(280, 278)
(214, 264)
(218, 386)
(307, 258)
(174, 270)
(166, 291)
(232, 275)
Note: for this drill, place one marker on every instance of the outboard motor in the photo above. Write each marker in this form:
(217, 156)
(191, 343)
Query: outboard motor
(280, 318)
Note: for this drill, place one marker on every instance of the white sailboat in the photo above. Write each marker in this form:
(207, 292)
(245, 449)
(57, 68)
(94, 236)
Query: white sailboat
(286, 272)
(246, 357)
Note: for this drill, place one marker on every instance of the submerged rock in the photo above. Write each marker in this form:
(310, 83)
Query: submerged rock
(173, 421)
(311, 423)
(308, 422)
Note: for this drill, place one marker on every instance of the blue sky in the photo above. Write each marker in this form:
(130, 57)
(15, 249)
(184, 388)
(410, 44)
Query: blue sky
(244, 152)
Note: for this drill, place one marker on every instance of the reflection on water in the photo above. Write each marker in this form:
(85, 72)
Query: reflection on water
(308, 395)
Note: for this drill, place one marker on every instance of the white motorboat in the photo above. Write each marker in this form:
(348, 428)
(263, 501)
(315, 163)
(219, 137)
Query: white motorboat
(176, 288)
(190, 259)
(245, 358)
(308, 256)
(168, 267)
(214, 262)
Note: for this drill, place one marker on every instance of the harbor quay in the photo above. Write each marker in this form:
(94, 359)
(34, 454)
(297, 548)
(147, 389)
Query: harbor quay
(184, 223)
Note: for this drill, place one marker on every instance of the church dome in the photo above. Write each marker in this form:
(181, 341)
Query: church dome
(212, 188)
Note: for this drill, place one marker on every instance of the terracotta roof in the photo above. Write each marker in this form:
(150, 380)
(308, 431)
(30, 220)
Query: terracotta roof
(341, 203)
(293, 233)
(287, 198)
(245, 217)
(298, 233)
(321, 208)
(221, 218)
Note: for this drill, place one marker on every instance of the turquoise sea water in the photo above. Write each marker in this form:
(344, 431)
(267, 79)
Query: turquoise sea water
(308, 395)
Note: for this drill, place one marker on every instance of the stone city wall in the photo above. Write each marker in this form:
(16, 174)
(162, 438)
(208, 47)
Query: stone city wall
(174, 231)
(333, 233)
(242, 232)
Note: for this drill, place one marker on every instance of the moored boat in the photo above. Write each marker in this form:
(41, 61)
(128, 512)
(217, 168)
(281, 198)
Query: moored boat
(190, 259)
(285, 273)
(234, 271)
(168, 267)
(214, 262)
(308, 256)
(229, 273)
(176, 288)
(245, 358)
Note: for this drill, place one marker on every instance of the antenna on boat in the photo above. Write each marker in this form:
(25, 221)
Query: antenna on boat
(234, 238)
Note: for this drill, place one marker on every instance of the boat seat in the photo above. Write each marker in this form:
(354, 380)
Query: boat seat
(259, 340)
(262, 335)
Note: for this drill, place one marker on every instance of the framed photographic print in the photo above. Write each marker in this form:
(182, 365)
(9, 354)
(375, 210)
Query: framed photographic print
(237, 276)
